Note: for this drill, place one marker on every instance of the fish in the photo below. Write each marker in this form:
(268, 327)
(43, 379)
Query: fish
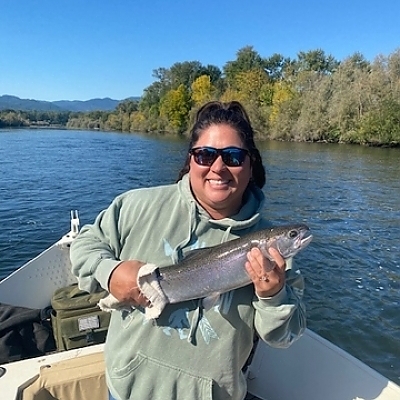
(209, 272)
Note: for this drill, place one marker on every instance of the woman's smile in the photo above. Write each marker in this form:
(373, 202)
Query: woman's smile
(218, 183)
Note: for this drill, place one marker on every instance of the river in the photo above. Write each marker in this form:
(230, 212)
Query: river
(348, 195)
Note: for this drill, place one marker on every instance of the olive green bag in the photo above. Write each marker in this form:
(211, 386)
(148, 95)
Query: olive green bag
(77, 319)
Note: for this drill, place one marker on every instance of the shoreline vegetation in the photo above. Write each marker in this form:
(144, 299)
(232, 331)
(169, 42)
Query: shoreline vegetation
(312, 98)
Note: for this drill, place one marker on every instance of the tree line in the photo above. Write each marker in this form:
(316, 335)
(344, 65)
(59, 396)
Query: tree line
(14, 118)
(313, 97)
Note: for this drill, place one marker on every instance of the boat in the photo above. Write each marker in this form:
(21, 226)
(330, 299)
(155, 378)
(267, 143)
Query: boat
(311, 369)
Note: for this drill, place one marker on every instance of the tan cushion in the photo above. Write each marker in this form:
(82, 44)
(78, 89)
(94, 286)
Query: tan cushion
(78, 378)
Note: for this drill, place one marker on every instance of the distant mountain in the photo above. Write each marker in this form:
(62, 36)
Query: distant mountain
(15, 103)
(106, 104)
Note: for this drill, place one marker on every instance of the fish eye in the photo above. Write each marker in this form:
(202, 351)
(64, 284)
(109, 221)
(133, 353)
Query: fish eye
(293, 233)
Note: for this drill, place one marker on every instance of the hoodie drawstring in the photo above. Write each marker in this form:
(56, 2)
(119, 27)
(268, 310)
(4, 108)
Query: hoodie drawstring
(176, 252)
(194, 323)
(226, 234)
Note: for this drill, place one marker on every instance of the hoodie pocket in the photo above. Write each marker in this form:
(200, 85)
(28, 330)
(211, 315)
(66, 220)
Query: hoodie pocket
(147, 378)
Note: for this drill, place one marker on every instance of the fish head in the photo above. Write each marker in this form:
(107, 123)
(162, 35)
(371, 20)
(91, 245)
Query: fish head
(288, 240)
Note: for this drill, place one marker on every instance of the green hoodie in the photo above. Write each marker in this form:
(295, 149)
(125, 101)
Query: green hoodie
(188, 353)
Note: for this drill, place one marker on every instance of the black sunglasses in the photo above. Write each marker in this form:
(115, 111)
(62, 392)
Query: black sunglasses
(231, 156)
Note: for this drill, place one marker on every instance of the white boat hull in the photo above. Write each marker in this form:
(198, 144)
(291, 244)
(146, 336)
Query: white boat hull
(313, 368)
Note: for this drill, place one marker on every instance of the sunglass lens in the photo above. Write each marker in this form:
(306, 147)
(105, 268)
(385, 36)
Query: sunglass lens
(205, 156)
(233, 157)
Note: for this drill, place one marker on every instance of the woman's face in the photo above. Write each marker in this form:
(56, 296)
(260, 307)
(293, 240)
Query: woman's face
(218, 188)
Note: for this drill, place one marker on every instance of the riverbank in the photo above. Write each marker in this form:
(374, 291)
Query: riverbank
(33, 126)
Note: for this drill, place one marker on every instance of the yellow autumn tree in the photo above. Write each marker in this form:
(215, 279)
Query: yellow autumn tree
(137, 121)
(282, 93)
(175, 107)
(250, 85)
(202, 90)
(253, 89)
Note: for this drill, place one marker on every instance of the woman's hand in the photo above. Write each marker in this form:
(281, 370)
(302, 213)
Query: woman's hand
(268, 276)
(123, 284)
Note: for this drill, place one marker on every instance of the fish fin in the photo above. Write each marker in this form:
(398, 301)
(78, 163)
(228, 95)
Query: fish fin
(265, 251)
(210, 301)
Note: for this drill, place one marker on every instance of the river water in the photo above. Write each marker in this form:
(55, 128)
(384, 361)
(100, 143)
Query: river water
(348, 195)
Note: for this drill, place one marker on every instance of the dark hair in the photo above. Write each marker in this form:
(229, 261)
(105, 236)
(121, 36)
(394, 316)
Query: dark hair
(234, 115)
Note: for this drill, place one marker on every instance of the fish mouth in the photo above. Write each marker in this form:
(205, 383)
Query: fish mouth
(305, 239)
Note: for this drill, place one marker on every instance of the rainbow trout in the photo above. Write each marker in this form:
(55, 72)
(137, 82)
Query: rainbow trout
(209, 272)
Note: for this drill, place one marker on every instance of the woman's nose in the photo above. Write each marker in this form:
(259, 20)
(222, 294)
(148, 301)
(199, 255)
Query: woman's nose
(218, 164)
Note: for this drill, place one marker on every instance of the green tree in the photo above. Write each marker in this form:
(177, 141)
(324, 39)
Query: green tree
(312, 123)
(127, 106)
(10, 118)
(151, 96)
(184, 73)
(215, 75)
(275, 66)
(317, 61)
(382, 126)
(247, 59)
(393, 67)
(348, 96)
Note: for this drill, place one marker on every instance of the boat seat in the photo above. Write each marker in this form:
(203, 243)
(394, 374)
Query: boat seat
(80, 378)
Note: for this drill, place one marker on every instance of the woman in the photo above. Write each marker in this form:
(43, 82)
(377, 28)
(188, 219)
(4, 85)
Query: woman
(190, 352)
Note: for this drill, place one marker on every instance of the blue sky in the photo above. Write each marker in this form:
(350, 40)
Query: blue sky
(84, 49)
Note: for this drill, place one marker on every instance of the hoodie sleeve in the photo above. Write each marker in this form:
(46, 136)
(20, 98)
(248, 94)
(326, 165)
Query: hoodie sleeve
(95, 252)
(281, 319)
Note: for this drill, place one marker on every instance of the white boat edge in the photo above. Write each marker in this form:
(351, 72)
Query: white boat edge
(312, 368)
